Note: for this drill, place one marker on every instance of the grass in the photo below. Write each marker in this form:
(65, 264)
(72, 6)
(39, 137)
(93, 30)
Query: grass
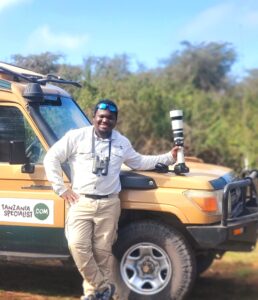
(235, 276)
(247, 257)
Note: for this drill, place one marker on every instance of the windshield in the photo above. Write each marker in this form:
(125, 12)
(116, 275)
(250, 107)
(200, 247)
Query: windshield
(62, 114)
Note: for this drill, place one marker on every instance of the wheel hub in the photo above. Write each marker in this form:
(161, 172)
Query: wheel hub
(147, 266)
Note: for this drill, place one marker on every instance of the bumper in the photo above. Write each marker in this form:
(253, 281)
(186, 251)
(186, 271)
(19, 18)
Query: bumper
(237, 235)
(238, 230)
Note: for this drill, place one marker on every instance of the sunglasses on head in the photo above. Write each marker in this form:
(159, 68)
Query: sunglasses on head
(105, 106)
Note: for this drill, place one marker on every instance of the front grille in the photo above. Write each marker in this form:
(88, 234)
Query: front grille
(236, 203)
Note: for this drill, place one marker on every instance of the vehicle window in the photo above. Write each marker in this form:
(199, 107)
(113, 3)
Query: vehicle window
(62, 115)
(13, 126)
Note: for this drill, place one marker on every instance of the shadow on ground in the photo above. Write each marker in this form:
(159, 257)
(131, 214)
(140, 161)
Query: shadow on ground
(43, 280)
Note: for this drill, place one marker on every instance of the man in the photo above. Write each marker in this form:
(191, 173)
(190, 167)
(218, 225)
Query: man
(95, 155)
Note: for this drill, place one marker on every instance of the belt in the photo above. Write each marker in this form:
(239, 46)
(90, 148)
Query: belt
(96, 196)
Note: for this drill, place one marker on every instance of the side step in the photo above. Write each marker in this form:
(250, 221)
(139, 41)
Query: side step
(10, 255)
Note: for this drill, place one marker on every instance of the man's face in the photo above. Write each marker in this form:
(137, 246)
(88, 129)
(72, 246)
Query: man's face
(104, 121)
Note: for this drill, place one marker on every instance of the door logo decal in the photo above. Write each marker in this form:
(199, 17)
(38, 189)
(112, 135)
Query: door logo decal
(41, 211)
(24, 210)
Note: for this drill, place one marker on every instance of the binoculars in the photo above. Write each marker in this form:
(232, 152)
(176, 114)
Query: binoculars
(100, 166)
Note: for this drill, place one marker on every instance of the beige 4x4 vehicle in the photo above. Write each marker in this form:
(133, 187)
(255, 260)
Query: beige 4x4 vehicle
(171, 227)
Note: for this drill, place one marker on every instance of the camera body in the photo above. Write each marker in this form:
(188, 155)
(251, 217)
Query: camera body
(100, 165)
(177, 125)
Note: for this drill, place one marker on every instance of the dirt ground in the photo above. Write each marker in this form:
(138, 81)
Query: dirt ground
(226, 279)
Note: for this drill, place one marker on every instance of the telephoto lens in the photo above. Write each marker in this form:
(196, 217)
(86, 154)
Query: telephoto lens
(177, 125)
(176, 117)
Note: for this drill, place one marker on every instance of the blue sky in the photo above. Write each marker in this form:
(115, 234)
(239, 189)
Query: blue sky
(147, 30)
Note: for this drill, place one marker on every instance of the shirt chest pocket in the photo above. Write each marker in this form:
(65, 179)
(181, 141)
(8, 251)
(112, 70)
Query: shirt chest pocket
(84, 152)
(117, 156)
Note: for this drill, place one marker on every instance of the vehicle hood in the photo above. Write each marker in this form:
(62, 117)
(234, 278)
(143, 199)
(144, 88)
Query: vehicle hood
(201, 176)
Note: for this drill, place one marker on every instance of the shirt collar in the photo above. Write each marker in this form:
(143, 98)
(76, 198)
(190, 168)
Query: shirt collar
(113, 136)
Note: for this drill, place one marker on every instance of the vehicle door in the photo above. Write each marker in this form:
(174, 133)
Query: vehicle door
(31, 214)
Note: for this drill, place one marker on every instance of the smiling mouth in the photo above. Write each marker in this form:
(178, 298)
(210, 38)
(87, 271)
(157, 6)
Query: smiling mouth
(104, 127)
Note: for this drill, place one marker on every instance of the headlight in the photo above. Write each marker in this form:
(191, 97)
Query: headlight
(208, 202)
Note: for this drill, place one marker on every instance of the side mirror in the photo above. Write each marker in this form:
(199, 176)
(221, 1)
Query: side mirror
(17, 155)
(14, 152)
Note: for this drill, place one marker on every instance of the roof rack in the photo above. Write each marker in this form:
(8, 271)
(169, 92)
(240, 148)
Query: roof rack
(38, 78)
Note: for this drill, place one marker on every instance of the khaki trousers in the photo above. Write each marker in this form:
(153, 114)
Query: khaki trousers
(91, 229)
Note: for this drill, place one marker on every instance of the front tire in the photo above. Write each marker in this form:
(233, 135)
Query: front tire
(155, 262)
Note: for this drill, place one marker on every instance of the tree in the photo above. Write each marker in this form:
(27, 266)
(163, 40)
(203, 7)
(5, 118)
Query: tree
(49, 63)
(45, 63)
(205, 65)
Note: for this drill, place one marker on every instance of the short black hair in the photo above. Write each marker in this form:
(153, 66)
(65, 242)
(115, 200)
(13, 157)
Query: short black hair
(106, 101)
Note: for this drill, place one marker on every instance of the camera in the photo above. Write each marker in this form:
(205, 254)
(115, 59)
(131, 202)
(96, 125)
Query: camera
(177, 125)
(100, 166)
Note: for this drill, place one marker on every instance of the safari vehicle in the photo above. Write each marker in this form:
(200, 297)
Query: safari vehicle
(171, 226)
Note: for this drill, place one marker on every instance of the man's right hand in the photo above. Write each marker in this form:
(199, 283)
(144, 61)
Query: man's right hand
(70, 196)
(174, 151)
